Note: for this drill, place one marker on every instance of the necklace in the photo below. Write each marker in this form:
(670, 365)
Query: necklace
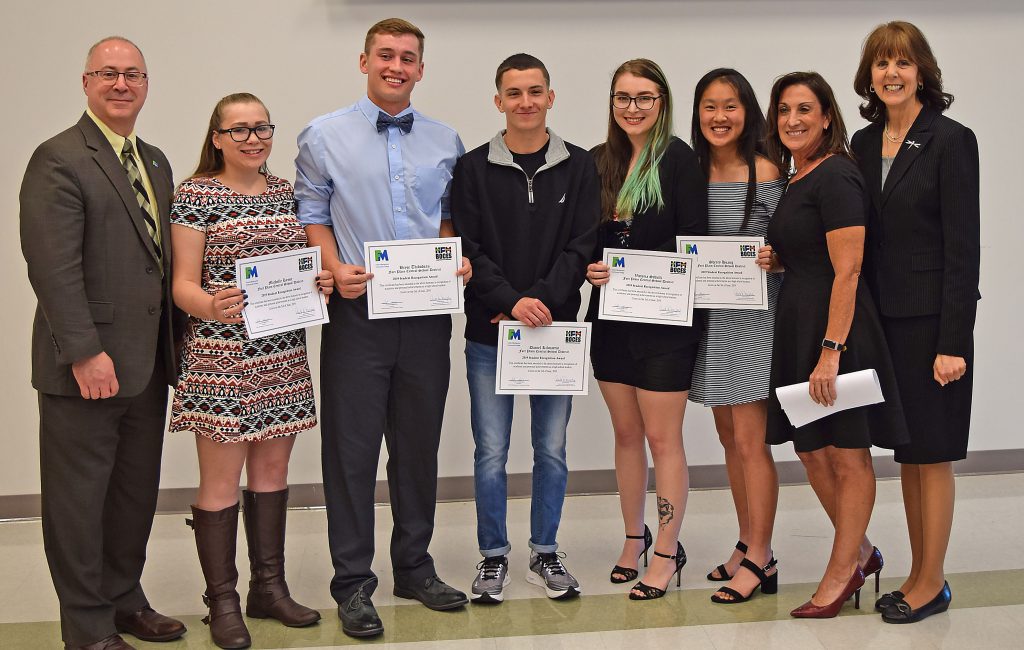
(895, 139)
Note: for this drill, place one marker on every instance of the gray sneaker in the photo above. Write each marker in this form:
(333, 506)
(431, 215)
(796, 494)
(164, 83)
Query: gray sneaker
(491, 580)
(547, 570)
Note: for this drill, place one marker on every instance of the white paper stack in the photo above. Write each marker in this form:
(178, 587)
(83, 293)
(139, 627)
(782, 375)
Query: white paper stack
(853, 389)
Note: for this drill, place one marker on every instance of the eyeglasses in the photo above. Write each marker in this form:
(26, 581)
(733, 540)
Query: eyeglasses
(132, 77)
(643, 102)
(242, 133)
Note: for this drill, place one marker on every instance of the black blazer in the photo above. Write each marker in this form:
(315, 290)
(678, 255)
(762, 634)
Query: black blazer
(923, 248)
(684, 189)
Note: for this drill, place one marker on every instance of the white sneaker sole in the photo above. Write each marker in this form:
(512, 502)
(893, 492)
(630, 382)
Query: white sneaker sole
(553, 594)
(488, 597)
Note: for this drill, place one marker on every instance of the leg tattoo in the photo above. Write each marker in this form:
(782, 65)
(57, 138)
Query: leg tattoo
(666, 511)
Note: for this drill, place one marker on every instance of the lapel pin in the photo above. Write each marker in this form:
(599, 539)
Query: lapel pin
(910, 143)
(154, 164)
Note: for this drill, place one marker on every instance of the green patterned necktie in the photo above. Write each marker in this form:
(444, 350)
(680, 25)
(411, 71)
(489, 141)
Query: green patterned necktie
(135, 178)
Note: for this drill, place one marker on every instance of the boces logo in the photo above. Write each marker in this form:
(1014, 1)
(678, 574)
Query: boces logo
(690, 249)
(748, 250)
(306, 263)
(515, 335)
(250, 272)
(380, 255)
(618, 262)
(442, 252)
(677, 266)
(574, 336)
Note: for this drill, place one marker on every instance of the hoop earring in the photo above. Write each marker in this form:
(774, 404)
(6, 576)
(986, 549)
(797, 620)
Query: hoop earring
(871, 89)
(920, 85)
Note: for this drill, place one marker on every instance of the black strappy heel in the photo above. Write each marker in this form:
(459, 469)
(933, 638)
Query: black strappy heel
(627, 573)
(720, 574)
(769, 583)
(650, 593)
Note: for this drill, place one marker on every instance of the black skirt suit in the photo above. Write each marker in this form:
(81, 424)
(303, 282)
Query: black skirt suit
(922, 262)
(648, 356)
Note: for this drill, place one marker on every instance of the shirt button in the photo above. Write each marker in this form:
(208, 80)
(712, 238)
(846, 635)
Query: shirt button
(152, 310)
(396, 177)
(394, 146)
(398, 209)
(149, 269)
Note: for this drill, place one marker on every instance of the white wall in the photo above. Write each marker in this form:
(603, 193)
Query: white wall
(301, 58)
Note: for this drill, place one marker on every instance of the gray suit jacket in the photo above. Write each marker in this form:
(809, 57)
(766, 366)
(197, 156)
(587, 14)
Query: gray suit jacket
(92, 262)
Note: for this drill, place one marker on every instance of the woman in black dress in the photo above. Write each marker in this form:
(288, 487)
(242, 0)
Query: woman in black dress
(652, 189)
(922, 263)
(826, 323)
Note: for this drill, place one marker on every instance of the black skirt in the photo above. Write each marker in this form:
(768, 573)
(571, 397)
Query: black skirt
(938, 417)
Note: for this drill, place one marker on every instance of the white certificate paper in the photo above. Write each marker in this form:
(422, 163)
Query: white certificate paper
(413, 277)
(648, 287)
(728, 276)
(282, 292)
(853, 389)
(549, 360)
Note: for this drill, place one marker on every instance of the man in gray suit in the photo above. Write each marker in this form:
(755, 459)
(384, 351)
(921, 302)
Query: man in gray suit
(94, 230)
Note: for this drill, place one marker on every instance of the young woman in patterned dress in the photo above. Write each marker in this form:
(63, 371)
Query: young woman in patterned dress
(734, 358)
(244, 400)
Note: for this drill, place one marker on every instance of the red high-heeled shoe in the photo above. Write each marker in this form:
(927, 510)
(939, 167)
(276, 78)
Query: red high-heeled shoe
(874, 565)
(810, 610)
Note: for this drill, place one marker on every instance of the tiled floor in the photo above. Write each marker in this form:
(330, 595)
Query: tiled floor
(985, 566)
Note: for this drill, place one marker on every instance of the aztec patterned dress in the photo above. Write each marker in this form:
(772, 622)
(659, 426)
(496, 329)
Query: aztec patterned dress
(230, 388)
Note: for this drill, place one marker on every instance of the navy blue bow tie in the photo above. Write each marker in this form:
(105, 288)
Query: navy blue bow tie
(384, 121)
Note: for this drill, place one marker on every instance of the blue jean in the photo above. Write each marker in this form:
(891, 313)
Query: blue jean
(491, 419)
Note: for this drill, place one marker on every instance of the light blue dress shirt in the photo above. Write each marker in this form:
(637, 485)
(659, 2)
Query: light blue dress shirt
(371, 186)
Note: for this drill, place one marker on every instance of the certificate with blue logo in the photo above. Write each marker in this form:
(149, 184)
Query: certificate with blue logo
(648, 287)
(549, 360)
(413, 277)
(728, 276)
(282, 292)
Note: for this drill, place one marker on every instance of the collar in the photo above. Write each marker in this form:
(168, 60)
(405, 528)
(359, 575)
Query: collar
(499, 154)
(370, 110)
(116, 141)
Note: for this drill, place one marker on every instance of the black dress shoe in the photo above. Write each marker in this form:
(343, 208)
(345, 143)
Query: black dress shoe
(431, 592)
(888, 600)
(149, 625)
(358, 615)
(901, 612)
(112, 642)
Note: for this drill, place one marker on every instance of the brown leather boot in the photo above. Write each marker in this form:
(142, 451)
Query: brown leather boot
(215, 540)
(264, 514)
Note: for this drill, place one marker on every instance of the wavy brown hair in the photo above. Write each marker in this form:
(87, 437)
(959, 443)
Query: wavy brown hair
(903, 39)
(833, 140)
(211, 159)
(395, 27)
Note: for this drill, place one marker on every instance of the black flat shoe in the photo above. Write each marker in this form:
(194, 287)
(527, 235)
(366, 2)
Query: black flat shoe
(627, 573)
(647, 592)
(901, 612)
(720, 574)
(769, 584)
(358, 615)
(888, 600)
(432, 592)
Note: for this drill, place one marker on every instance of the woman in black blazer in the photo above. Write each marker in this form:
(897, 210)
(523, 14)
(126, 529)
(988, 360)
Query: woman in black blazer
(652, 189)
(921, 261)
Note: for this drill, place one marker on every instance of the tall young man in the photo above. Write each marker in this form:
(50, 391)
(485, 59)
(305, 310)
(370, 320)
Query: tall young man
(526, 205)
(379, 170)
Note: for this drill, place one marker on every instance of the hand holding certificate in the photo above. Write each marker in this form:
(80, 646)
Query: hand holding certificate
(648, 287)
(853, 389)
(727, 273)
(282, 292)
(549, 360)
(414, 277)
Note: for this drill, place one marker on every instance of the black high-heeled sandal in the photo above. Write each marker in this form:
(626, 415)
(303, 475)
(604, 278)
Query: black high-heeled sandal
(647, 592)
(627, 573)
(720, 574)
(769, 583)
